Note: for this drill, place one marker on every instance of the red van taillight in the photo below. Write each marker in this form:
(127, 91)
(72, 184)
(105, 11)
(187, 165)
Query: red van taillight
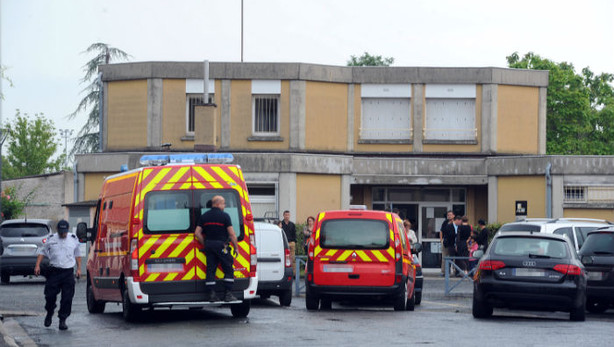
(398, 249)
(310, 248)
(134, 257)
(567, 269)
(491, 265)
(253, 260)
(288, 260)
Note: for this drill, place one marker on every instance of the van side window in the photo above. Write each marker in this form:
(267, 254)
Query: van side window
(233, 206)
(167, 212)
(567, 232)
(403, 235)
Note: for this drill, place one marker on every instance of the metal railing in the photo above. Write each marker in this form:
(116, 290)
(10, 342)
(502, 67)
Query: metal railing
(299, 286)
(469, 275)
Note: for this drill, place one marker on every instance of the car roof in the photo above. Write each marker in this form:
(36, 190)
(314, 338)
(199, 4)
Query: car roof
(47, 222)
(355, 213)
(266, 226)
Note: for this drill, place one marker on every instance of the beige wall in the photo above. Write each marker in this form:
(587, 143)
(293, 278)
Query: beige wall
(326, 114)
(316, 193)
(127, 115)
(607, 214)
(174, 119)
(93, 184)
(529, 188)
(241, 117)
(517, 120)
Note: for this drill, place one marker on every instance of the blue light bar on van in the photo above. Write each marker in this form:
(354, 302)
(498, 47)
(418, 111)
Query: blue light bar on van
(187, 158)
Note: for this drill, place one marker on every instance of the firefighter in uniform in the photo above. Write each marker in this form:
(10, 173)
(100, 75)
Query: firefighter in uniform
(63, 252)
(214, 230)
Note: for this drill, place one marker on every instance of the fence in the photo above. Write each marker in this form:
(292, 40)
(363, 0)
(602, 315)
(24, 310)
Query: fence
(450, 261)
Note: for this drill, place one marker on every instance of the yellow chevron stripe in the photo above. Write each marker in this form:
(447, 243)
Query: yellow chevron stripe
(238, 274)
(363, 256)
(189, 257)
(200, 274)
(207, 177)
(389, 217)
(243, 262)
(141, 270)
(317, 251)
(122, 177)
(244, 246)
(380, 256)
(186, 185)
(218, 170)
(150, 242)
(391, 252)
(179, 174)
(182, 246)
(189, 275)
(166, 244)
(321, 216)
(201, 256)
(218, 273)
(170, 276)
(344, 255)
(199, 185)
(154, 182)
(152, 277)
(330, 253)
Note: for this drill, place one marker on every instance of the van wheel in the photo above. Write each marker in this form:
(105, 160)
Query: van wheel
(5, 278)
(596, 306)
(411, 303)
(285, 297)
(93, 305)
(240, 310)
(418, 297)
(400, 302)
(481, 309)
(130, 311)
(312, 302)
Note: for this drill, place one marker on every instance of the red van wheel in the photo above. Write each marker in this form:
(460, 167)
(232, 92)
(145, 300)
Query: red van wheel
(400, 302)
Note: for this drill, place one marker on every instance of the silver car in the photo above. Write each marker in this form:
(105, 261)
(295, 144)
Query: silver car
(19, 242)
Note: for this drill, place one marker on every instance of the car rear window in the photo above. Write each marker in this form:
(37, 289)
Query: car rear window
(599, 243)
(355, 234)
(584, 233)
(24, 230)
(530, 246)
(520, 227)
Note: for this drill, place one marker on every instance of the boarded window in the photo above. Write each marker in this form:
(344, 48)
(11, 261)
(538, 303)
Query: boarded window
(385, 119)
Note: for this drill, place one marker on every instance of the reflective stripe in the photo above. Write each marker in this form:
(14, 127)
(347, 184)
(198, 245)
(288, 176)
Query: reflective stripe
(228, 280)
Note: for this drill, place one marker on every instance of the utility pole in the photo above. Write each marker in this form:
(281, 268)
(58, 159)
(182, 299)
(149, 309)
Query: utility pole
(241, 33)
(66, 134)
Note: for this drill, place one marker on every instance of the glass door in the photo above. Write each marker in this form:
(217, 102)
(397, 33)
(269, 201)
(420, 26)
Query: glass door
(431, 218)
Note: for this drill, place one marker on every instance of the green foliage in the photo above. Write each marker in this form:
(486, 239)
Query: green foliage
(11, 206)
(492, 230)
(31, 145)
(370, 60)
(580, 107)
(87, 140)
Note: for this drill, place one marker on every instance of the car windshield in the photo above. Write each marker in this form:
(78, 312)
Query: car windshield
(355, 234)
(599, 243)
(520, 227)
(530, 247)
(23, 230)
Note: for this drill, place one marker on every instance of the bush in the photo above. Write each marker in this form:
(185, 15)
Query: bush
(11, 206)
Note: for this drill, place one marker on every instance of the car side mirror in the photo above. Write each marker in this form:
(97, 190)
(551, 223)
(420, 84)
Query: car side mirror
(82, 233)
(478, 254)
(416, 248)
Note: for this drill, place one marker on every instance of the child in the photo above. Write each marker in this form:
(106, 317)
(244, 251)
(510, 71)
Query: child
(472, 245)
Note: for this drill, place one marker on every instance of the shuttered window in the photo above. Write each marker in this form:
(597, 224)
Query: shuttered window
(450, 119)
(385, 119)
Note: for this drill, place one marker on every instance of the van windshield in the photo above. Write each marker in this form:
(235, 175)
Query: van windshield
(354, 234)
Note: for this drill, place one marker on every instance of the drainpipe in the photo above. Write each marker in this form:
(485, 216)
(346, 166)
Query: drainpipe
(548, 190)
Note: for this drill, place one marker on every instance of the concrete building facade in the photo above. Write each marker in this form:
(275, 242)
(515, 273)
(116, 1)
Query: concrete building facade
(311, 138)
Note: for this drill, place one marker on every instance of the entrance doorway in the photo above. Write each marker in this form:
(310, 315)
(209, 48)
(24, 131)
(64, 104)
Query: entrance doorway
(431, 219)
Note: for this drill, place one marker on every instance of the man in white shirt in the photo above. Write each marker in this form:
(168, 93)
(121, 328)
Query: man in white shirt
(63, 252)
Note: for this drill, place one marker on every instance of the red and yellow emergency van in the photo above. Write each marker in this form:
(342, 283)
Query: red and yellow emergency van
(143, 251)
(359, 254)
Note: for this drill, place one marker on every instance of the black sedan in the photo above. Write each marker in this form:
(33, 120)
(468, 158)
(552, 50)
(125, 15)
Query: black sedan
(597, 255)
(530, 271)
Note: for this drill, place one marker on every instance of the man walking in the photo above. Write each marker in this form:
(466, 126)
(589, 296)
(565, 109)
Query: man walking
(290, 229)
(214, 230)
(63, 252)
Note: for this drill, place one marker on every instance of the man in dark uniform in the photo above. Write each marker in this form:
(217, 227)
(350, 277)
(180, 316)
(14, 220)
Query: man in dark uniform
(482, 239)
(449, 237)
(214, 230)
(63, 252)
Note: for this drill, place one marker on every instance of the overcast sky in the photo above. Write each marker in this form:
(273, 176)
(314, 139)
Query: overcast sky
(42, 41)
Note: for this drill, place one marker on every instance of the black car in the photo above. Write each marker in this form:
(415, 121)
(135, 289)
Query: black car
(597, 255)
(530, 271)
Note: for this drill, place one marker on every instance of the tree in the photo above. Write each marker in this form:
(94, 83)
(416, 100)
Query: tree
(87, 140)
(31, 146)
(12, 207)
(580, 107)
(370, 60)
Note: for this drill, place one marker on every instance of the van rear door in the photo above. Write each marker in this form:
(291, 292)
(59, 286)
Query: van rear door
(270, 251)
(354, 251)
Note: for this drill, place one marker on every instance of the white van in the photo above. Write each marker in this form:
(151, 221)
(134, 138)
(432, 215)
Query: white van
(274, 265)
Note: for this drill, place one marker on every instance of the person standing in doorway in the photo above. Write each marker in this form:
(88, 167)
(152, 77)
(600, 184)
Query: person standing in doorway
(63, 252)
(449, 237)
(214, 231)
(290, 230)
(444, 250)
(482, 238)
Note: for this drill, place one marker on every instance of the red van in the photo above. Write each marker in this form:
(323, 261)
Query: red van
(359, 254)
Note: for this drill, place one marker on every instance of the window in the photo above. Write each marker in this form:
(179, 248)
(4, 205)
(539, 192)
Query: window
(386, 112)
(233, 206)
(589, 194)
(194, 89)
(450, 113)
(266, 114)
(575, 194)
(23, 230)
(524, 246)
(167, 212)
(567, 232)
(354, 234)
(265, 107)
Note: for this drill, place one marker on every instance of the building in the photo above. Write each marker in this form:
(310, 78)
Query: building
(311, 137)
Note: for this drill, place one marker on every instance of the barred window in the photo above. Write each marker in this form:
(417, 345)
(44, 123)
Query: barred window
(193, 100)
(575, 194)
(265, 109)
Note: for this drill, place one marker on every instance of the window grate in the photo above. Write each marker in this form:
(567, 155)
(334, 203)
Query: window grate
(266, 114)
(575, 194)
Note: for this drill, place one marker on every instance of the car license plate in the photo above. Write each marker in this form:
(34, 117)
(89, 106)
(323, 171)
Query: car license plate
(594, 276)
(170, 267)
(522, 272)
(22, 250)
(338, 268)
